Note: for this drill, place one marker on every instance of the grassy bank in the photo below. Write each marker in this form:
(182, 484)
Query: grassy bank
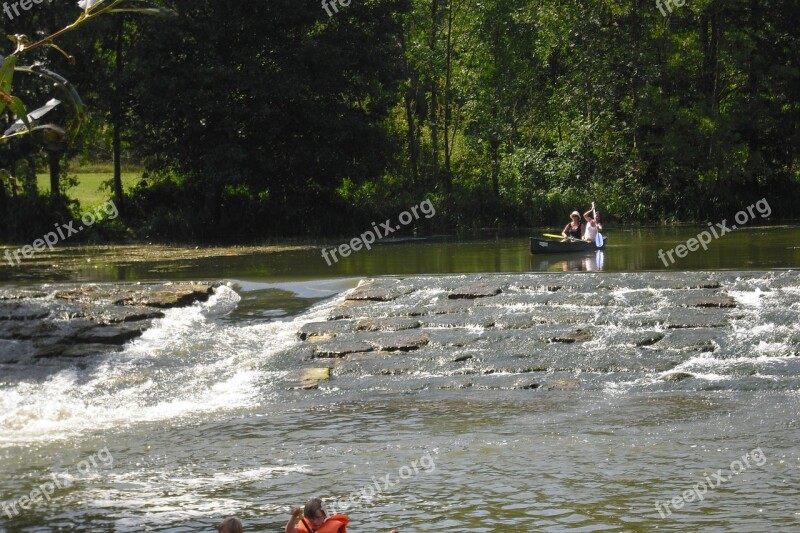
(90, 190)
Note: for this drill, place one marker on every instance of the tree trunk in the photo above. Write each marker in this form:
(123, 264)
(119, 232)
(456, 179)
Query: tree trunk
(53, 160)
(410, 98)
(447, 96)
(494, 149)
(116, 117)
(434, 93)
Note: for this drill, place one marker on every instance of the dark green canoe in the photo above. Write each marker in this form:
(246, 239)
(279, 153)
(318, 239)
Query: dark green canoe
(552, 246)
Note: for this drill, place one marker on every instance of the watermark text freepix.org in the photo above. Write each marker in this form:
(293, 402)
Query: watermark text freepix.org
(60, 480)
(24, 4)
(63, 231)
(369, 236)
(668, 4)
(328, 4)
(704, 237)
(699, 490)
(367, 493)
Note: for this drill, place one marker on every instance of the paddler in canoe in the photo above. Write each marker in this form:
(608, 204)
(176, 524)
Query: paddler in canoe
(574, 230)
(593, 225)
(576, 236)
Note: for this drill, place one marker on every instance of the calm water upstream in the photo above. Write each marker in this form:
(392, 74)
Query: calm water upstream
(192, 421)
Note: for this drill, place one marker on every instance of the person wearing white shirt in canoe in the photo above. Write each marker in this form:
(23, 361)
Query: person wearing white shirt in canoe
(592, 226)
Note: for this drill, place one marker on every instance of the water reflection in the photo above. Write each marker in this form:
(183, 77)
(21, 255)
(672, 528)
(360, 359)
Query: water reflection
(629, 250)
(578, 262)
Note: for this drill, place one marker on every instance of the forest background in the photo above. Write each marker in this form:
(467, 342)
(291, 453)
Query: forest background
(245, 121)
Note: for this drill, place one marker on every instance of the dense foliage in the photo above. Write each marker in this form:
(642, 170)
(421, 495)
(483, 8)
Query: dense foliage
(275, 119)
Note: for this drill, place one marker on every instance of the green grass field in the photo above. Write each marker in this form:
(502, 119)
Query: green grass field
(88, 191)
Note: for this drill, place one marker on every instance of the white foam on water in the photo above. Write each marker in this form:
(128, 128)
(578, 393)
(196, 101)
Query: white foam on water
(187, 362)
(753, 299)
(708, 367)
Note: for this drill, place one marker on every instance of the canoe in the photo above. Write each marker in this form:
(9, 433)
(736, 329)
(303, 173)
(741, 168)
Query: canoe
(550, 246)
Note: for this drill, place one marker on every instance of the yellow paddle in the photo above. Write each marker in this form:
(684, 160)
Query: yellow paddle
(552, 235)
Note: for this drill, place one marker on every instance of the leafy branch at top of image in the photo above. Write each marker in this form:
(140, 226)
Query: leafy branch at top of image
(28, 122)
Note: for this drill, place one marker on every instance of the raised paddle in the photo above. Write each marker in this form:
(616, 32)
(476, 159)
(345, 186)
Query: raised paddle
(598, 239)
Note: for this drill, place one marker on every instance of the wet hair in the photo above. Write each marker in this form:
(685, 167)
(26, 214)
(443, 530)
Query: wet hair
(313, 507)
(230, 525)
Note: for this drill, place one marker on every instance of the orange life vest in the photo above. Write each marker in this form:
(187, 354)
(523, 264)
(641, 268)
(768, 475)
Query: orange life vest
(334, 524)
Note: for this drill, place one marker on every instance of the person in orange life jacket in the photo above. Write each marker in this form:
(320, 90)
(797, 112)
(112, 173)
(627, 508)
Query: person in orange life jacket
(573, 230)
(316, 520)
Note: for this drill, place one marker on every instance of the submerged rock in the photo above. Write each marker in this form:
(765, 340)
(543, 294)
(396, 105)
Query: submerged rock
(107, 335)
(378, 290)
(677, 376)
(89, 319)
(308, 378)
(340, 348)
(327, 328)
(22, 311)
(474, 290)
(162, 296)
(403, 341)
(576, 336)
(388, 324)
(717, 301)
(649, 338)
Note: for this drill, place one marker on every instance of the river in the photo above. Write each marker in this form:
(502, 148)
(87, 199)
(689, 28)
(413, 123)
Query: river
(486, 428)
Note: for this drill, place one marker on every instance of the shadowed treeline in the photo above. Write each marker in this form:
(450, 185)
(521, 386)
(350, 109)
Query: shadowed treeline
(282, 118)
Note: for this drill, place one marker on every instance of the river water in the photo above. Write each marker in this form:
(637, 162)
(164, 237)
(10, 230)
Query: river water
(193, 421)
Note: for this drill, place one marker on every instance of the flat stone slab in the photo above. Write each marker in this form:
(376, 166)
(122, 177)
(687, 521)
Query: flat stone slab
(579, 335)
(28, 330)
(60, 349)
(403, 341)
(677, 376)
(474, 290)
(169, 296)
(130, 314)
(694, 318)
(458, 320)
(22, 311)
(340, 348)
(378, 290)
(74, 321)
(691, 340)
(107, 335)
(517, 321)
(161, 295)
(442, 306)
(308, 378)
(388, 324)
(648, 338)
(326, 328)
(727, 302)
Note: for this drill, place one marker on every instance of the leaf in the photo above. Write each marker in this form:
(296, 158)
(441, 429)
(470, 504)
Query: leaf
(53, 135)
(18, 107)
(6, 76)
(26, 119)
